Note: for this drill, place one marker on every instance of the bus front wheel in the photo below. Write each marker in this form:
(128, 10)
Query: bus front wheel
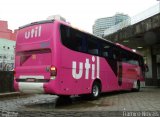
(138, 86)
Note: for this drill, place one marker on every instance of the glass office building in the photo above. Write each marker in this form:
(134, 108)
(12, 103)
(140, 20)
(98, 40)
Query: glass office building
(102, 24)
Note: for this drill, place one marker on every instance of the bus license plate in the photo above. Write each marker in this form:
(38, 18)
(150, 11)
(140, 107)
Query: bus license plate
(30, 80)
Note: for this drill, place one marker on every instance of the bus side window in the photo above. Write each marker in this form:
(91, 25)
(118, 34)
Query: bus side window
(71, 38)
(92, 46)
(123, 56)
(93, 51)
(110, 52)
(68, 34)
(105, 54)
(105, 49)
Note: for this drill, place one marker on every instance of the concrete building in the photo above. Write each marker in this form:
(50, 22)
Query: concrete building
(7, 45)
(104, 23)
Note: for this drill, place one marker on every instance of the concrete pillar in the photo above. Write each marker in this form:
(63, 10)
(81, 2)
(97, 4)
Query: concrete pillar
(154, 69)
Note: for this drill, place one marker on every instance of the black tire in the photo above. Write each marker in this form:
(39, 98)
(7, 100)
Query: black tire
(63, 100)
(138, 86)
(64, 96)
(95, 90)
(85, 97)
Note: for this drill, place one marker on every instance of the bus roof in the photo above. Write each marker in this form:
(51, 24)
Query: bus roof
(61, 22)
(127, 48)
(35, 23)
(67, 24)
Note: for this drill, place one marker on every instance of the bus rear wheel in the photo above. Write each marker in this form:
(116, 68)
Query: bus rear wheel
(95, 90)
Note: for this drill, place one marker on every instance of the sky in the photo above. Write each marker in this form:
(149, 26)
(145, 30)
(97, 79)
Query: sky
(80, 13)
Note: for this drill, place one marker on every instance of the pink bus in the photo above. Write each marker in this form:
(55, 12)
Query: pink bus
(52, 57)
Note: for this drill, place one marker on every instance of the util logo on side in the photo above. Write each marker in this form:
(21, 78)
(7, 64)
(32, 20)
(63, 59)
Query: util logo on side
(34, 32)
(87, 66)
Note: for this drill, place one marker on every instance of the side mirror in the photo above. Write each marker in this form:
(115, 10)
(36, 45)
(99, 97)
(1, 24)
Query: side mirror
(146, 69)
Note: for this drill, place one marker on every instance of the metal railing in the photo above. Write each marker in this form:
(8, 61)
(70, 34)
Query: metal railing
(135, 19)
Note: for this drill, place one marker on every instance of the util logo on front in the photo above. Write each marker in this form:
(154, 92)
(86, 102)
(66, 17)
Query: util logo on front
(34, 32)
(86, 67)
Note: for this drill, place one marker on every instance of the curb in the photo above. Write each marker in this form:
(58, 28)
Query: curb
(151, 87)
(9, 94)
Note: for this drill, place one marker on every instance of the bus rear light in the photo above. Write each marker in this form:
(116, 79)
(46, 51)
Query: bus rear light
(53, 71)
(53, 68)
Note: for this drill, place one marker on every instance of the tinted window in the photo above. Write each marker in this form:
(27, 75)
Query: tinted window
(72, 38)
(129, 57)
(82, 42)
(108, 50)
(105, 49)
(79, 41)
(92, 45)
